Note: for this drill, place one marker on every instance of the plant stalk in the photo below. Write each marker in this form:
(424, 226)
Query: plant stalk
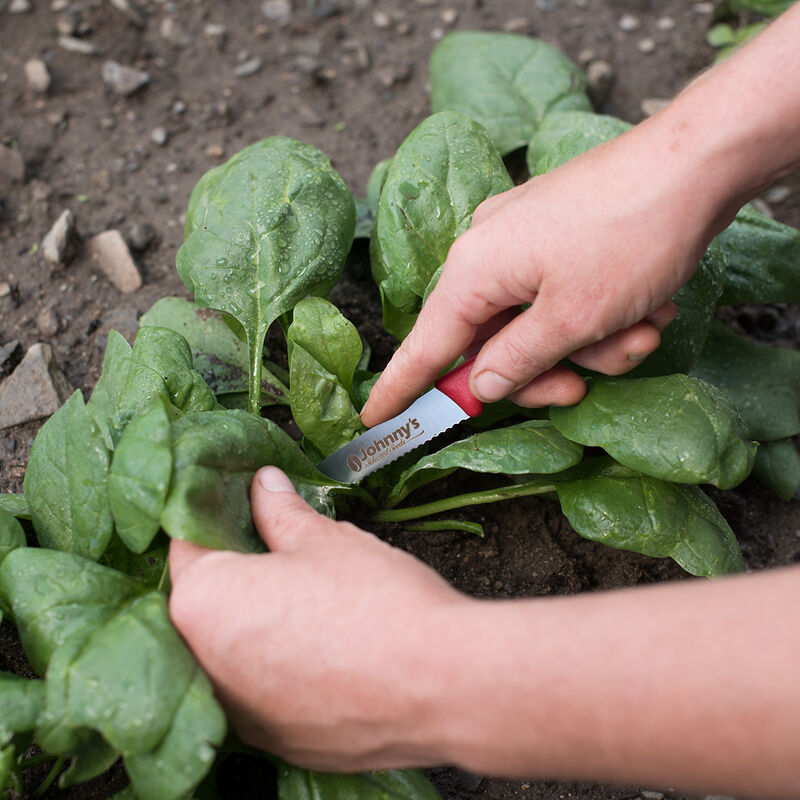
(51, 776)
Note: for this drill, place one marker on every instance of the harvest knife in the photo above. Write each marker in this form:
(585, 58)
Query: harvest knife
(448, 403)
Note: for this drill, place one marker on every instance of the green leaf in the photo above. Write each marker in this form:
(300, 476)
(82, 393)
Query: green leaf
(271, 226)
(11, 535)
(777, 466)
(534, 446)
(364, 219)
(7, 764)
(610, 504)
(215, 455)
(769, 8)
(763, 258)
(218, 354)
(375, 184)
(105, 398)
(721, 35)
(443, 170)
(675, 427)
(140, 474)
(15, 505)
(66, 485)
(763, 381)
(507, 83)
(91, 758)
(303, 784)
(684, 338)
(586, 129)
(21, 704)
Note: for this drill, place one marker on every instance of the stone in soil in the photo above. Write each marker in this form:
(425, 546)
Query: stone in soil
(35, 389)
(600, 78)
(141, 236)
(159, 136)
(112, 257)
(12, 166)
(279, 11)
(122, 79)
(646, 46)
(518, 25)
(629, 23)
(37, 75)
(54, 244)
(217, 34)
(20, 7)
(74, 45)
(777, 194)
(131, 11)
(47, 323)
(248, 68)
(173, 32)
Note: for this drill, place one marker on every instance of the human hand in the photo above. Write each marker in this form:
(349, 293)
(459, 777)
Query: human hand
(322, 651)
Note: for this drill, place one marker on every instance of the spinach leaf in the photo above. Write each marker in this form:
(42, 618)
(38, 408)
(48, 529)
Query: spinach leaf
(102, 405)
(676, 428)
(534, 446)
(443, 170)
(684, 338)
(218, 354)
(507, 83)
(375, 184)
(15, 505)
(589, 130)
(303, 784)
(763, 381)
(608, 503)
(140, 474)
(215, 455)
(66, 485)
(21, 704)
(777, 466)
(763, 257)
(268, 228)
(11, 536)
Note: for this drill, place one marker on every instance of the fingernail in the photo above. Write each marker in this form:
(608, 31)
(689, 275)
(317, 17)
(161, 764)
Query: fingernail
(492, 387)
(637, 357)
(274, 480)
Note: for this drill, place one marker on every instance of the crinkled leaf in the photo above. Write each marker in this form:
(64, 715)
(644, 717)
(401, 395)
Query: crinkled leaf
(763, 381)
(303, 784)
(684, 338)
(534, 446)
(507, 83)
(15, 505)
(66, 485)
(763, 260)
(585, 129)
(219, 355)
(215, 455)
(21, 704)
(675, 427)
(140, 474)
(777, 466)
(443, 170)
(271, 226)
(11, 535)
(608, 503)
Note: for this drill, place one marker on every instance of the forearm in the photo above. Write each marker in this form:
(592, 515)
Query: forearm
(692, 684)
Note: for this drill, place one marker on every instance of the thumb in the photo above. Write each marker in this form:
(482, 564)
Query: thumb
(280, 515)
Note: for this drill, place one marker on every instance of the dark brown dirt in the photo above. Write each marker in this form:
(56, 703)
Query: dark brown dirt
(90, 151)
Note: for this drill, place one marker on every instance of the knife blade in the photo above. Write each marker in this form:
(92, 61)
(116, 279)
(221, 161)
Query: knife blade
(448, 403)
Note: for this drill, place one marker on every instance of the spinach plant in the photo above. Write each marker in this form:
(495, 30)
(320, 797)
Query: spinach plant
(169, 440)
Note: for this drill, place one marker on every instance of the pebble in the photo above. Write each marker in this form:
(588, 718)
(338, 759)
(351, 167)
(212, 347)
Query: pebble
(216, 151)
(279, 11)
(217, 34)
(389, 76)
(122, 79)
(360, 52)
(37, 75)
(12, 165)
(703, 8)
(665, 23)
(159, 136)
(629, 23)
(646, 45)
(777, 194)
(141, 236)
(47, 323)
(248, 68)
(309, 117)
(131, 11)
(652, 105)
(54, 244)
(35, 389)
(449, 16)
(67, 24)
(763, 206)
(586, 56)
(171, 30)
(380, 19)
(5, 289)
(74, 45)
(648, 795)
(111, 255)
(600, 77)
(20, 7)
(59, 5)
(518, 25)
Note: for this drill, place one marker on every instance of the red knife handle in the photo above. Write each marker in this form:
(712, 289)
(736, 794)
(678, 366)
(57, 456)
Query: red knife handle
(455, 384)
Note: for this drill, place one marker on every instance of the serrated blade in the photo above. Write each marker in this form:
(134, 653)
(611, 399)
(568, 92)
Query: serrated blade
(426, 417)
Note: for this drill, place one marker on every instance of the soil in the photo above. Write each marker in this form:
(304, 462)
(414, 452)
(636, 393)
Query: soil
(91, 151)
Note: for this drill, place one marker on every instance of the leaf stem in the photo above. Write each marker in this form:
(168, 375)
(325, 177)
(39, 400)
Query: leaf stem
(34, 761)
(51, 776)
(447, 525)
(256, 350)
(537, 486)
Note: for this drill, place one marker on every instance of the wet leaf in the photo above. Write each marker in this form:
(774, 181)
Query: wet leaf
(15, 505)
(777, 466)
(11, 535)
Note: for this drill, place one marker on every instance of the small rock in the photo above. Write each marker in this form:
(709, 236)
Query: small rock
(763, 206)
(665, 23)
(74, 45)
(279, 11)
(112, 257)
(179, 108)
(600, 78)
(47, 323)
(216, 151)
(646, 45)
(122, 79)
(10, 355)
(308, 64)
(518, 25)
(12, 166)
(648, 795)
(309, 117)
(706, 9)
(131, 11)
(777, 194)
(37, 75)
(248, 68)
(141, 236)
(586, 56)
(216, 34)
(123, 320)
(381, 20)
(173, 32)
(629, 23)
(20, 7)
(54, 244)
(35, 389)
(159, 136)
(389, 76)
(652, 105)
(449, 16)
(5, 289)
(67, 24)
